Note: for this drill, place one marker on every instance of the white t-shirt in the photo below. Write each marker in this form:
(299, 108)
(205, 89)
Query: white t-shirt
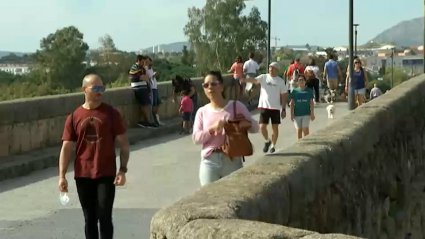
(271, 89)
(153, 79)
(315, 70)
(250, 66)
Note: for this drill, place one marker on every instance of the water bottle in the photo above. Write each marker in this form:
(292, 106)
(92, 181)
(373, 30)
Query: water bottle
(64, 199)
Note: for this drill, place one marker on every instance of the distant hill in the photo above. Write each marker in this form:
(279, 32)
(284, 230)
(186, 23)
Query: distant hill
(405, 33)
(175, 46)
(6, 53)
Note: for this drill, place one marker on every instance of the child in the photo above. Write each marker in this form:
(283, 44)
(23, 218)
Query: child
(186, 107)
(302, 107)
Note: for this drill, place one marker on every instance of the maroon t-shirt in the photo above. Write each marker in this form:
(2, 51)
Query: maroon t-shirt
(94, 132)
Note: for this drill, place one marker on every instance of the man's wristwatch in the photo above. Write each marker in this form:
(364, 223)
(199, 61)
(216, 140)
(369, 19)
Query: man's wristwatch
(123, 169)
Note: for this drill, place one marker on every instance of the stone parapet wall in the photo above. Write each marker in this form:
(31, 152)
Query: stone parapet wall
(36, 123)
(364, 175)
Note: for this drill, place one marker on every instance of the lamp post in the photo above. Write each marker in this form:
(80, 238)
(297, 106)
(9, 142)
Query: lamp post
(392, 67)
(351, 101)
(268, 30)
(424, 41)
(355, 43)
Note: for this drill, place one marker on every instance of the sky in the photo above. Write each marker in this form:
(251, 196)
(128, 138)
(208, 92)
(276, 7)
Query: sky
(138, 24)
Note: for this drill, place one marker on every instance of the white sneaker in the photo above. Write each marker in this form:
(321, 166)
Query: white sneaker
(159, 122)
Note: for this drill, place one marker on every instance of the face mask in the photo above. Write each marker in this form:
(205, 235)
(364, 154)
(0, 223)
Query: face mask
(64, 199)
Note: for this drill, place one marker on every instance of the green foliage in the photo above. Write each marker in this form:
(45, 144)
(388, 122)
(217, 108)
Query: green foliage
(385, 83)
(188, 58)
(61, 56)
(218, 33)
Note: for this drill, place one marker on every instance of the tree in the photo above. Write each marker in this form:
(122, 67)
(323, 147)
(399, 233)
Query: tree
(330, 51)
(308, 47)
(106, 47)
(185, 58)
(218, 33)
(61, 56)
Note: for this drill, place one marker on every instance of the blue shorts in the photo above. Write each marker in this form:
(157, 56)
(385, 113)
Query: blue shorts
(142, 95)
(155, 98)
(237, 79)
(186, 116)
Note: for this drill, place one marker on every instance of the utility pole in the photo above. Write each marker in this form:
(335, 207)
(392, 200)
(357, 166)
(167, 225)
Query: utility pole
(355, 32)
(351, 101)
(392, 67)
(269, 33)
(275, 41)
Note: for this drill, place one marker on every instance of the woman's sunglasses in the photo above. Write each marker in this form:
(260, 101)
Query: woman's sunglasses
(357, 62)
(213, 83)
(97, 88)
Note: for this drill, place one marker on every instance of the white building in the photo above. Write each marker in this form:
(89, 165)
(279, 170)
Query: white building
(16, 69)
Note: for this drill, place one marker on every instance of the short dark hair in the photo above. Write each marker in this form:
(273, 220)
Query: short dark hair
(140, 58)
(238, 59)
(297, 60)
(251, 55)
(148, 57)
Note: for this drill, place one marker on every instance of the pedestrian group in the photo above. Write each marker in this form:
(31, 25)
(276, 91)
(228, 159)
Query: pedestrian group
(221, 126)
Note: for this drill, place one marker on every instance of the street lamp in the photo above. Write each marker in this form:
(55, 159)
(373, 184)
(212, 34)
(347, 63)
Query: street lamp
(351, 101)
(268, 30)
(424, 41)
(392, 67)
(355, 44)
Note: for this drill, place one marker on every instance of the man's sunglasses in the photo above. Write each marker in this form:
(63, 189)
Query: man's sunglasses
(97, 88)
(213, 83)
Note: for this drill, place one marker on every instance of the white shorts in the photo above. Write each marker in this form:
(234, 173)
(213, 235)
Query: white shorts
(301, 122)
(248, 86)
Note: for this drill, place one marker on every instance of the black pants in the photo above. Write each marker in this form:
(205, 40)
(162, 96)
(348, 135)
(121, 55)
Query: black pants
(314, 85)
(97, 200)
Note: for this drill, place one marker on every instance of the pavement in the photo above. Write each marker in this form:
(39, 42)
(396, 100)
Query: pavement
(161, 171)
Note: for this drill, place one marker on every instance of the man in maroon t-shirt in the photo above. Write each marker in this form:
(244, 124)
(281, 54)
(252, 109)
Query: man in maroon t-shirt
(93, 128)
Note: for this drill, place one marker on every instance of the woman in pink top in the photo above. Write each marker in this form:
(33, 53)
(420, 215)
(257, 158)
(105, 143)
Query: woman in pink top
(208, 130)
(237, 69)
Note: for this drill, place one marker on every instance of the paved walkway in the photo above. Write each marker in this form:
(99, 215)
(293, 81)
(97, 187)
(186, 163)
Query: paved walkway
(161, 171)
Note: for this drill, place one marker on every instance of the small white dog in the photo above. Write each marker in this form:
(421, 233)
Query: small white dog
(331, 111)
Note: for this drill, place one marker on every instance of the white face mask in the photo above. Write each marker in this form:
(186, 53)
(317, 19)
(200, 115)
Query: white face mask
(64, 199)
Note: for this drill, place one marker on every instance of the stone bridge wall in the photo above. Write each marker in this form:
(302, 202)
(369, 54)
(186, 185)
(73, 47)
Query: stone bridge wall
(35, 123)
(364, 175)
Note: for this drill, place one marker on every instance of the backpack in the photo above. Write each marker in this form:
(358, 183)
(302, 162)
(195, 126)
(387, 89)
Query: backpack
(295, 75)
(236, 143)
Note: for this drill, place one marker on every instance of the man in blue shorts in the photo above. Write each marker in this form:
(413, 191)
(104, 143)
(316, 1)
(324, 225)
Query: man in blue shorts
(140, 84)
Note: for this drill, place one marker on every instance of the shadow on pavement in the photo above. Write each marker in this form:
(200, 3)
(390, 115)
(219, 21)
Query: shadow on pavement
(69, 224)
